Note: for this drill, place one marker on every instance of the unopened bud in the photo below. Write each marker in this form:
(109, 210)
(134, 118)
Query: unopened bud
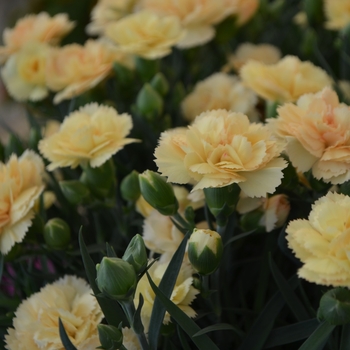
(57, 233)
(130, 187)
(75, 191)
(111, 337)
(135, 254)
(149, 102)
(160, 84)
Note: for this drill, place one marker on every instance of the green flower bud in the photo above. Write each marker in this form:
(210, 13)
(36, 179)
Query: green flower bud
(130, 187)
(205, 250)
(74, 191)
(251, 221)
(158, 193)
(111, 337)
(146, 68)
(222, 201)
(135, 254)
(57, 233)
(160, 84)
(335, 306)
(100, 180)
(149, 102)
(116, 279)
(124, 74)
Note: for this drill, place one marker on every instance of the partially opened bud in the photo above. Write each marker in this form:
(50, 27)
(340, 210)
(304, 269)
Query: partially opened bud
(130, 187)
(111, 337)
(75, 191)
(135, 254)
(57, 233)
(116, 279)
(205, 250)
(158, 193)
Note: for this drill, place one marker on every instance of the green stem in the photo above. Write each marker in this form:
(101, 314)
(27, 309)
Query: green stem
(183, 222)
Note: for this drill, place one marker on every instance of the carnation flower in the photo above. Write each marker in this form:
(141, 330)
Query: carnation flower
(221, 148)
(198, 17)
(245, 52)
(317, 130)
(74, 69)
(34, 28)
(284, 81)
(92, 134)
(182, 295)
(35, 325)
(322, 241)
(337, 13)
(244, 10)
(146, 34)
(21, 183)
(24, 73)
(220, 91)
(130, 340)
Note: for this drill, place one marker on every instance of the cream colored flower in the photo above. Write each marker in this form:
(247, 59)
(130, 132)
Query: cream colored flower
(221, 148)
(24, 73)
(35, 325)
(182, 295)
(52, 126)
(337, 13)
(220, 91)
(34, 28)
(74, 69)
(130, 340)
(21, 183)
(198, 17)
(322, 242)
(286, 80)
(92, 134)
(108, 11)
(317, 130)
(244, 10)
(146, 34)
(245, 52)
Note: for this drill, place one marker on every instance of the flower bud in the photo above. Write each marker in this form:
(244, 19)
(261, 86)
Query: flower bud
(74, 191)
(251, 221)
(146, 68)
(130, 187)
(335, 306)
(149, 102)
(205, 251)
(158, 193)
(116, 279)
(111, 337)
(135, 254)
(222, 201)
(160, 84)
(57, 233)
(124, 74)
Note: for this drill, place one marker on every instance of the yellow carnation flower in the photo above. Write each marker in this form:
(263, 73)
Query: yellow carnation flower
(337, 13)
(286, 80)
(244, 10)
(322, 242)
(21, 183)
(74, 69)
(34, 28)
(317, 132)
(92, 134)
(220, 91)
(221, 148)
(35, 325)
(146, 34)
(182, 296)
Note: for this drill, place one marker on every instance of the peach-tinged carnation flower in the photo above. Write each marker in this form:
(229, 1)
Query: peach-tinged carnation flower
(221, 148)
(130, 340)
(322, 242)
(284, 81)
(245, 52)
(317, 130)
(146, 34)
(244, 10)
(21, 183)
(183, 294)
(35, 325)
(337, 13)
(74, 69)
(198, 17)
(220, 91)
(108, 11)
(24, 73)
(92, 134)
(34, 28)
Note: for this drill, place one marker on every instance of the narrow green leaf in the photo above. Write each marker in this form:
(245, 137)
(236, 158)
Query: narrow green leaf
(345, 337)
(189, 326)
(241, 235)
(259, 332)
(219, 327)
(318, 337)
(166, 285)
(111, 309)
(64, 337)
(292, 300)
(1, 265)
(291, 333)
(183, 340)
(137, 322)
(110, 251)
